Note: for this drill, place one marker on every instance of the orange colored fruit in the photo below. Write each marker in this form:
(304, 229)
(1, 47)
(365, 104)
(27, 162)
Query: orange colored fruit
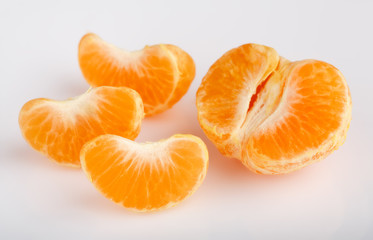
(145, 177)
(58, 129)
(276, 116)
(161, 73)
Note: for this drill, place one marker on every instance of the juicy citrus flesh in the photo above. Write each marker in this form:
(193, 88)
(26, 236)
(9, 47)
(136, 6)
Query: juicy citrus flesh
(161, 73)
(59, 129)
(276, 116)
(145, 176)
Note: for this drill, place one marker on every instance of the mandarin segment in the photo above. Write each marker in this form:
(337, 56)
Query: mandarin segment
(145, 177)
(293, 115)
(226, 99)
(311, 115)
(161, 73)
(58, 129)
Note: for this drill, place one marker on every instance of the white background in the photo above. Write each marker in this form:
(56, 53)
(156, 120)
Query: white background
(332, 199)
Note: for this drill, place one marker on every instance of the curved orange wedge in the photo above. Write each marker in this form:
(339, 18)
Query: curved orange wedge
(161, 74)
(145, 177)
(276, 116)
(59, 129)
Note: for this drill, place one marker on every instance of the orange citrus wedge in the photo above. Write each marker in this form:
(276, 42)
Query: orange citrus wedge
(59, 129)
(161, 73)
(145, 177)
(276, 116)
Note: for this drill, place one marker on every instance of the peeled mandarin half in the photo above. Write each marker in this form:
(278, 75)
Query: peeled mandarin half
(276, 116)
(149, 176)
(161, 73)
(58, 129)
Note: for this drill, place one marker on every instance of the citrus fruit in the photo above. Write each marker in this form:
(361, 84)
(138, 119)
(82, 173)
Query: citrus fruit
(161, 73)
(145, 176)
(275, 115)
(59, 129)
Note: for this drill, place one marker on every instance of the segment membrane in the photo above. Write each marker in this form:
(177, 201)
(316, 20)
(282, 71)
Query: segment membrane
(238, 74)
(310, 113)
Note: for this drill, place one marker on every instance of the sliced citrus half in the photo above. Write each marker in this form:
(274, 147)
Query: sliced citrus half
(145, 176)
(161, 73)
(59, 129)
(274, 115)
